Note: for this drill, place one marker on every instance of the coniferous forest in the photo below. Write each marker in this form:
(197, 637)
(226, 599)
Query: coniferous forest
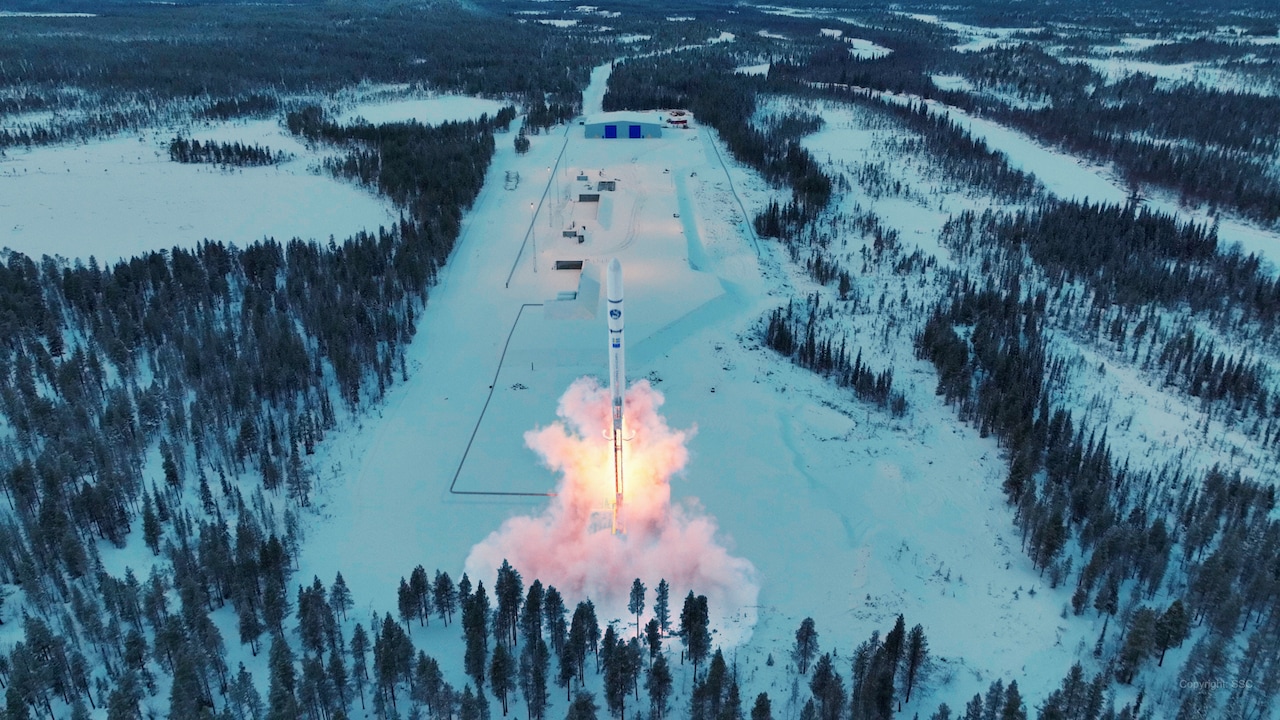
(137, 396)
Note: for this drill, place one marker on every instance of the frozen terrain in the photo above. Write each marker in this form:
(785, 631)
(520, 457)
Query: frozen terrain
(131, 198)
(848, 516)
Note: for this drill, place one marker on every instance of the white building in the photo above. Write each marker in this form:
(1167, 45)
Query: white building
(633, 125)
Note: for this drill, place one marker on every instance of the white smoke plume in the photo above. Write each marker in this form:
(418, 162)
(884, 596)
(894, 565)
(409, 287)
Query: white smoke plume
(569, 545)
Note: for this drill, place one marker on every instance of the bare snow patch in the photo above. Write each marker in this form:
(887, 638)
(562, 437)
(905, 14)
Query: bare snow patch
(428, 111)
(865, 49)
(123, 197)
(761, 69)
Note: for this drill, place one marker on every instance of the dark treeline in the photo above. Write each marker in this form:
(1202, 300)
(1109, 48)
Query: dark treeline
(224, 358)
(1204, 49)
(964, 157)
(93, 123)
(801, 336)
(435, 172)
(240, 64)
(1133, 256)
(1172, 138)
(904, 70)
(195, 50)
(223, 153)
(1076, 501)
(251, 105)
(704, 83)
(884, 671)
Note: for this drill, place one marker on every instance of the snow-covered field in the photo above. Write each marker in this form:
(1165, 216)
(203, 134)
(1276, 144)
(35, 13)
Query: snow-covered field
(976, 37)
(1067, 176)
(428, 111)
(121, 197)
(130, 198)
(847, 515)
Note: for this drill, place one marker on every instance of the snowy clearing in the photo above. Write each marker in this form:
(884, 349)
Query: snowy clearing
(428, 111)
(121, 197)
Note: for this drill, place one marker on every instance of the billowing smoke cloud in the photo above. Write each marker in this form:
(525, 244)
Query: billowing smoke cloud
(570, 545)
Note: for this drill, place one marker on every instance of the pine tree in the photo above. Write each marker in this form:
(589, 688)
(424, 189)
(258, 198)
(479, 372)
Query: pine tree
(1013, 707)
(337, 672)
(250, 627)
(243, 697)
(762, 710)
(475, 628)
(359, 668)
(917, 658)
(694, 629)
(659, 683)
(340, 596)
(508, 591)
(1171, 630)
(535, 661)
(583, 707)
(653, 638)
(806, 646)
(15, 706)
(420, 586)
(614, 658)
(151, 529)
(407, 604)
(282, 703)
(186, 694)
(828, 689)
(446, 597)
(553, 614)
(635, 603)
(531, 615)
(502, 678)
(895, 645)
(994, 702)
(662, 606)
(1138, 644)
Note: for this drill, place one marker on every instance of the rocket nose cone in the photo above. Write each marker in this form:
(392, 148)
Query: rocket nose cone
(613, 280)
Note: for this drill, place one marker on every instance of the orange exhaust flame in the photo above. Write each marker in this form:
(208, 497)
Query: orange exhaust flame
(563, 547)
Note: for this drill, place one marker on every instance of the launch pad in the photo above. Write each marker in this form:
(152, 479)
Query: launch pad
(647, 217)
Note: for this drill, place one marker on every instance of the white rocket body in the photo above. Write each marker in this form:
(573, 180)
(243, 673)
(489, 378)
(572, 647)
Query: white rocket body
(617, 377)
(617, 358)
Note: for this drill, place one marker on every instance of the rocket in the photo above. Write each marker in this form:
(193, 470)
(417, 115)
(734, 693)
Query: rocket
(617, 378)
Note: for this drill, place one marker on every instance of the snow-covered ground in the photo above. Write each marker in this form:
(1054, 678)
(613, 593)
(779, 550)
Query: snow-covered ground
(21, 14)
(848, 516)
(123, 196)
(976, 37)
(131, 198)
(1067, 176)
(428, 111)
(865, 49)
